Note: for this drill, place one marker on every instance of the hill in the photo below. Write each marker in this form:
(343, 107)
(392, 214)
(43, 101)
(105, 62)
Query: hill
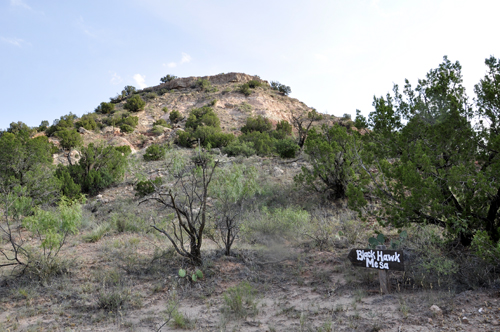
(238, 236)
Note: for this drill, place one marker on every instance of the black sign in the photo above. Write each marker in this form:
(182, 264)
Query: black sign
(377, 259)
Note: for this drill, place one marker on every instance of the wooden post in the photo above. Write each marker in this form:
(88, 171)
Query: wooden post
(382, 276)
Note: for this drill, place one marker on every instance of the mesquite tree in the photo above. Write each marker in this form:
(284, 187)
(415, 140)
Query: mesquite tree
(187, 198)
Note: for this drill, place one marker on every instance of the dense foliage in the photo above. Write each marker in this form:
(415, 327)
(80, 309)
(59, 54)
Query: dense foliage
(134, 104)
(433, 158)
(203, 126)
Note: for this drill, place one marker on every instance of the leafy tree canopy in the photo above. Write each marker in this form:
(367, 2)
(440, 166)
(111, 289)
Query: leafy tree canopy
(427, 161)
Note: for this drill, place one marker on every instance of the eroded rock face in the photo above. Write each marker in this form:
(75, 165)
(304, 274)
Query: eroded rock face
(187, 82)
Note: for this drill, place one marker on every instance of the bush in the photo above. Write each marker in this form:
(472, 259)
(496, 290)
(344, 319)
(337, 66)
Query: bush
(254, 84)
(165, 110)
(184, 139)
(132, 121)
(125, 128)
(168, 78)
(262, 142)
(161, 122)
(134, 104)
(158, 130)
(154, 152)
(68, 186)
(259, 124)
(205, 85)
(283, 129)
(98, 168)
(144, 188)
(175, 116)
(87, 121)
(125, 149)
(65, 122)
(284, 89)
(105, 108)
(287, 148)
(266, 226)
(240, 300)
(239, 148)
(245, 89)
(150, 95)
(203, 116)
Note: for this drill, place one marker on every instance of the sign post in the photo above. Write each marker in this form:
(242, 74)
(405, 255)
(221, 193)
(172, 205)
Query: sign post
(380, 259)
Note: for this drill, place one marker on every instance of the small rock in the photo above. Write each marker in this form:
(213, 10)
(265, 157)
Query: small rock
(277, 171)
(429, 320)
(465, 320)
(436, 310)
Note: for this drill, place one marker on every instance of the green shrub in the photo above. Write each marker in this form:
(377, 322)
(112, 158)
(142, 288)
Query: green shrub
(155, 152)
(287, 148)
(150, 96)
(245, 89)
(68, 186)
(184, 139)
(87, 121)
(283, 129)
(203, 116)
(254, 84)
(284, 89)
(259, 123)
(175, 116)
(205, 85)
(125, 149)
(65, 122)
(132, 121)
(98, 168)
(240, 300)
(125, 128)
(262, 142)
(165, 110)
(105, 108)
(163, 91)
(168, 78)
(267, 225)
(144, 188)
(158, 130)
(43, 126)
(134, 104)
(161, 122)
(237, 148)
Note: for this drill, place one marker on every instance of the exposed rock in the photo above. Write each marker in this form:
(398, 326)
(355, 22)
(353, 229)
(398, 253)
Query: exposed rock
(120, 141)
(109, 129)
(187, 82)
(465, 320)
(436, 310)
(82, 130)
(277, 171)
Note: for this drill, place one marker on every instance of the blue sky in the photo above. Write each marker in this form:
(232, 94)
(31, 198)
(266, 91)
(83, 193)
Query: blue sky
(68, 56)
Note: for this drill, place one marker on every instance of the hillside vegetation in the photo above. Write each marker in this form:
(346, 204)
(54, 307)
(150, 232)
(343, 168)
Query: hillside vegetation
(220, 203)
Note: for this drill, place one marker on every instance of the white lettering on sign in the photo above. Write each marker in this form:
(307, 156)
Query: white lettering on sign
(377, 259)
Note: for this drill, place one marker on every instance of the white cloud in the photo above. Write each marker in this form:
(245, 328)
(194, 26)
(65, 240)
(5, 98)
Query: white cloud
(14, 41)
(19, 3)
(115, 78)
(185, 58)
(140, 80)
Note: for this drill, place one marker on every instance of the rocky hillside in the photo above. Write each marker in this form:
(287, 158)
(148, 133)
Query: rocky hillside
(185, 94)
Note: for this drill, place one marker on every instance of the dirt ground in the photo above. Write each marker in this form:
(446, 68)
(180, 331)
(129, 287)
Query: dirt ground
(293, 289)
